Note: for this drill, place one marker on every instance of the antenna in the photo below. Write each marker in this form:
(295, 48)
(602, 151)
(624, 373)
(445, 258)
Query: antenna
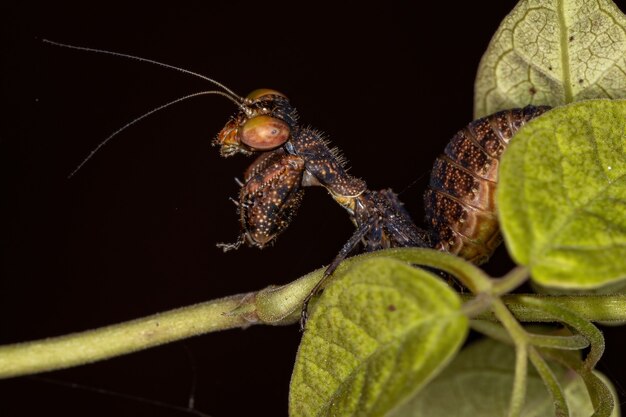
(143, 116)
(228, 93)
(149, 61)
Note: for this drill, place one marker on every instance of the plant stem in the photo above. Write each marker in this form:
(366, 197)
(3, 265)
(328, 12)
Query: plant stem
(581, 325)
(520, 339)
(472, 277)
(599, 392)
(476, 306)
(603, 308)
(516, 277)
(497, 332)
(273, 306)
(601, 396)
(270, 306)
(118, 339)
(558, 397)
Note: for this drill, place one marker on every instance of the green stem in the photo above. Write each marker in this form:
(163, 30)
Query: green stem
(582, 326)
(510, 281)
(518, 395)
(497, 332)
(492, 330)
(519, 337)
(549, 379)
(604, 308)
(270, 306)
(273, 306)
(468, 274)
(476, 306)
(574, 342)
(600, 394)
(106, 342)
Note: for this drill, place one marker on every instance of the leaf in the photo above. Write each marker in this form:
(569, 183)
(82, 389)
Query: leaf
(553, 52)
(478, 382)
(376, 336)
(562, 195)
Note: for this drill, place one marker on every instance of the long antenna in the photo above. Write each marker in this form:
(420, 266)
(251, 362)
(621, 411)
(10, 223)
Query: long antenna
(149, 61)
(143, 116)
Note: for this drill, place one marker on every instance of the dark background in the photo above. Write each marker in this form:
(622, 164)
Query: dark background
(134, 232)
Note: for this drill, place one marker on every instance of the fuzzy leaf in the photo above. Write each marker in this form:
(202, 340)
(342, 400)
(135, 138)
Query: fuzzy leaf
(376, 336)
(562, 195)
(553, 52)
(478, 382)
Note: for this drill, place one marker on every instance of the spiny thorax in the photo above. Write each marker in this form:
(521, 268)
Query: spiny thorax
(324, 165)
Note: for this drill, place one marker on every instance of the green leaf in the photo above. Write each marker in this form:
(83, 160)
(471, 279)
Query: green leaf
(479, 380)
(562, 195)
(376, 336)
(553, 52)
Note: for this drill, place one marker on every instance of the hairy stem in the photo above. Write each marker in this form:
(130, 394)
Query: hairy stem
(600, 394)
(580, 324)
(511, 281)
(604, 308)
(549, 379)
(472, 277)
(520, 340)
(118, 339)
(497, 332)
(270, 306)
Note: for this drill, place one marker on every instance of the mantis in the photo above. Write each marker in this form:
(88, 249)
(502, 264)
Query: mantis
(459, 203)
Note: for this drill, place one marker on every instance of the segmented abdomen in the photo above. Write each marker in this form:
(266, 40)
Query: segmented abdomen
(460, 201)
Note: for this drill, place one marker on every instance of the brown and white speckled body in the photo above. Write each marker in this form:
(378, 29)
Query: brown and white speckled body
(460, 201)
(270, 196)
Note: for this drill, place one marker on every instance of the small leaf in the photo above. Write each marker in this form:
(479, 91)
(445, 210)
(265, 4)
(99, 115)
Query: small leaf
(553, 52)
(479, 380)
(562, 195)
(376, 336)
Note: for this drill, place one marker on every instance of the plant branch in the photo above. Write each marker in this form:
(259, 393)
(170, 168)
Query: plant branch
(600, 394)
(472, 277)
(118, 339)
(270, 306)
(551, 382)
(520, 339)
(597, 308)
(497, 332)
(581, 325)
(273, 306)
(516, 277)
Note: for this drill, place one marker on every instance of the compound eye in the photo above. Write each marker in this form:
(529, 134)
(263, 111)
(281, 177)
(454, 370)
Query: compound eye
(263, 133)
(261, 92)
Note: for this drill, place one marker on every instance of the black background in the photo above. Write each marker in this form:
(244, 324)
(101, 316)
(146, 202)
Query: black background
(134, 232)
